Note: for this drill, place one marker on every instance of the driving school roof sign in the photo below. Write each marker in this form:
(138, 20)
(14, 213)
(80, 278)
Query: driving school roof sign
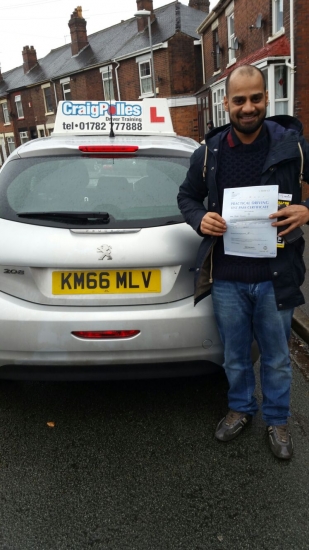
(147, 117)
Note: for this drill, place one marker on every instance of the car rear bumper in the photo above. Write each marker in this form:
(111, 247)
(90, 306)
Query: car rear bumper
(32, 334)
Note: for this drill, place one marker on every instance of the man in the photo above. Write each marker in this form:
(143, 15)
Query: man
(253, 297)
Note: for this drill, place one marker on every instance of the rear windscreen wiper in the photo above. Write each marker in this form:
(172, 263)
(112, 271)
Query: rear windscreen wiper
(102, 216)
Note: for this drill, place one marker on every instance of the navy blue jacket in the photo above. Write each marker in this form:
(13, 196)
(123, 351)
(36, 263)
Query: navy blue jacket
(282, 167)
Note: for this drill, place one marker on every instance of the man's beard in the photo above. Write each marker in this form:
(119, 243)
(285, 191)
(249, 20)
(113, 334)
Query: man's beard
(248, 128)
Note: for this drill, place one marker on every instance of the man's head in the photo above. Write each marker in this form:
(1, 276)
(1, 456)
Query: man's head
(246, 101)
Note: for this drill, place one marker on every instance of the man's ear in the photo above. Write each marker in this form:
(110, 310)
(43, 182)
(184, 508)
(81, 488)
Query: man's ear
(266, 97)
(226, 104)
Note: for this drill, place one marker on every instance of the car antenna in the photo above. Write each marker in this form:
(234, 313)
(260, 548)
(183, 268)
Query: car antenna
(111, 132)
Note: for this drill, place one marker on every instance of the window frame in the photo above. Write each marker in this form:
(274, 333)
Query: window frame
(10, 140)
(23, 136)
(41, 130)
(45, 87)
(273, 101)
(145, 78)
(231, 38)
(19, 106)
(108, 82)
(275, 16)
(216, 49)
(64, 82)
(219, 115)
(5, 111)
(49, 129)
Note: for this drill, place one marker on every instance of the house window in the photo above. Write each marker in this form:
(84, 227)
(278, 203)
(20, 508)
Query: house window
(281, 90)
(216, 49)
(145, 77)
(277, 78)
(203, 115)
(19, 106)
(231, 37)
(47, 98)
(277, 15)
(11, 144)
(219, 114)
(40, 129)
(66, 90)
(23, 136)
(108, 86)
(6, 116)
(265, 72)
(206, 111)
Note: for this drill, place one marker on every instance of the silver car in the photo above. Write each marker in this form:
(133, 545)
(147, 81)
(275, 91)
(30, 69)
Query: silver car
(97, 264)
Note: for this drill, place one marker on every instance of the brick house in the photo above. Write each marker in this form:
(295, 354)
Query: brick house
(114, 63)
(267, 33)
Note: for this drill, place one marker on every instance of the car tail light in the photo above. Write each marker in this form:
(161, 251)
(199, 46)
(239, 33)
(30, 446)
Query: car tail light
(105, 334)
(108, 148)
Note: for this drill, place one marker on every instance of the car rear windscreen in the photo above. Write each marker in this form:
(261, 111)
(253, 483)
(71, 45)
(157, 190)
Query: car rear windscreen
(139, 189)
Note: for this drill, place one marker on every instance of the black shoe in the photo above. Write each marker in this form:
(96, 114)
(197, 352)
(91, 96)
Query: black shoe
(280, 441)
(231, 425)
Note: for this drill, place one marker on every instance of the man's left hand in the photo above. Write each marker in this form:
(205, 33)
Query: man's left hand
(295, 215)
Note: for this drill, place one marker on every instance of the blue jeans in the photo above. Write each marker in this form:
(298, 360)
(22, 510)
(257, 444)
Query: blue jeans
(243, 312)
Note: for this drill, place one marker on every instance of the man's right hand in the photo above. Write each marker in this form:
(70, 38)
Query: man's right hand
(213, 224)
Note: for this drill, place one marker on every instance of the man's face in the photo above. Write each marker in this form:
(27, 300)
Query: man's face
(246, 104)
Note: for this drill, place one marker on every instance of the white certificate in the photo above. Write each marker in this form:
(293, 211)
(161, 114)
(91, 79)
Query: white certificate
(249, 231)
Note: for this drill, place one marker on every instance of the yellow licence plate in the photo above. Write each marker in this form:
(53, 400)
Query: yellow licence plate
(109, 281)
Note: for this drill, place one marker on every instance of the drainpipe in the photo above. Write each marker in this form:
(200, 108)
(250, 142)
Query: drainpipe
(55, 92)
(203, 58)
(117, 80)
(291, 64)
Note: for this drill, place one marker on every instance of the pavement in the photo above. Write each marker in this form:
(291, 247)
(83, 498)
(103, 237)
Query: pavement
(300, 323)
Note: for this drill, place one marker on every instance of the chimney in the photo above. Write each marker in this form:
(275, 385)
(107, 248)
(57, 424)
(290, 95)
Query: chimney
(202, 5)
(77, 24)
(29, 58)
(142, 22)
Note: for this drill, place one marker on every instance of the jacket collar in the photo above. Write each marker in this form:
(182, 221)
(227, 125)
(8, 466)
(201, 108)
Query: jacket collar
(276, 126)
(279, 135)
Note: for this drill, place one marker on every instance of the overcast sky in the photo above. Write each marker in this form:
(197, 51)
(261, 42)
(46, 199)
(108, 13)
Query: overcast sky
(44, 23)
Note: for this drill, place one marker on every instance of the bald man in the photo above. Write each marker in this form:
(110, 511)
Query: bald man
(253, 297)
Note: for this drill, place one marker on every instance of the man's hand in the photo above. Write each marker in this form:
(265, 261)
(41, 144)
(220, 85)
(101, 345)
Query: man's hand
(213, 224)
(295, 214)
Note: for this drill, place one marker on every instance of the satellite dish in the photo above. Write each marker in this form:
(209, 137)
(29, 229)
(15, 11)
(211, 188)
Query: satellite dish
(258, 22)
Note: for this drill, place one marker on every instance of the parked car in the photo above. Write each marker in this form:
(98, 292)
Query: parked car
(97, 264)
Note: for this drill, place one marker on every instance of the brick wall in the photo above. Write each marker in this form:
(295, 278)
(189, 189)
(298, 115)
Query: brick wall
(185, 121)
(129, 80)
(245, 15)
(302, 63)
(182, 60)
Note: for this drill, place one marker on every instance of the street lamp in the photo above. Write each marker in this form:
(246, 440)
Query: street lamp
(147, 13)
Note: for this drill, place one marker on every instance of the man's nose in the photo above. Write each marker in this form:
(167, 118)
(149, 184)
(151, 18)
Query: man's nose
(248, 106)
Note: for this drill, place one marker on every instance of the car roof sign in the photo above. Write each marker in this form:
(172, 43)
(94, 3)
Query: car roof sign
(147, 117)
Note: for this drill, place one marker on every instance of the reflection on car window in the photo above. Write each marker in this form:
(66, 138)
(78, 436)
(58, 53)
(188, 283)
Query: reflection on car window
(126, 188)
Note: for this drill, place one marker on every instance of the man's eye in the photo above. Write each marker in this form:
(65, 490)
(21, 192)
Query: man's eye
(238, 101)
